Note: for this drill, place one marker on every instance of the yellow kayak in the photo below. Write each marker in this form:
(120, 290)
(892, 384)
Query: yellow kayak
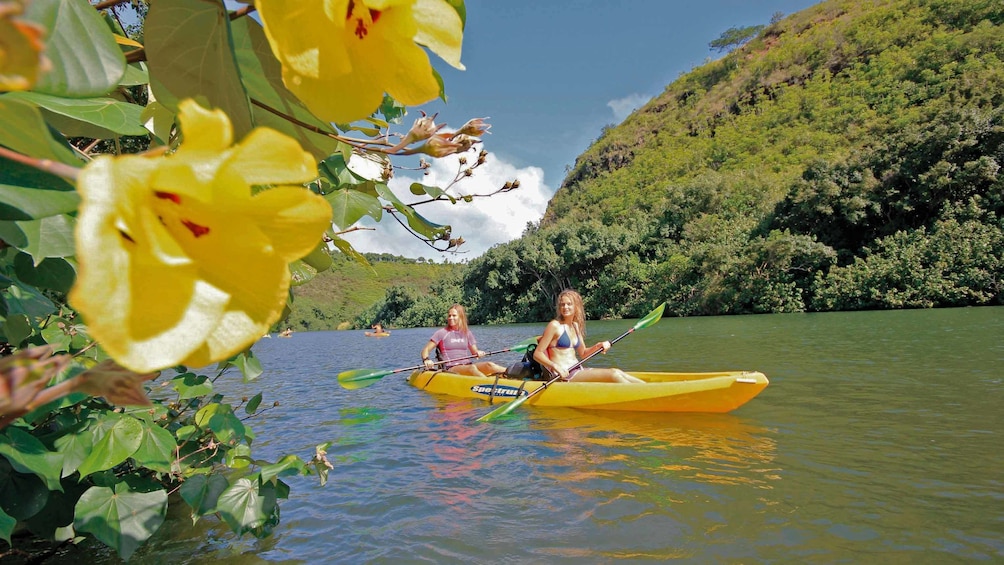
(662, 392)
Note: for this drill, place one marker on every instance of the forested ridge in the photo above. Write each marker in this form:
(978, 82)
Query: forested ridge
(846, 157)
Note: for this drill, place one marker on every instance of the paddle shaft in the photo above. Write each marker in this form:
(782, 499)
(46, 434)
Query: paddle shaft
(359, 378)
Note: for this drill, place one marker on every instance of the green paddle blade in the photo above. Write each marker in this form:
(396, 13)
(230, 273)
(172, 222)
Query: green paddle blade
(503, 410)
(359, 378)
(523, 345)
(651, 318)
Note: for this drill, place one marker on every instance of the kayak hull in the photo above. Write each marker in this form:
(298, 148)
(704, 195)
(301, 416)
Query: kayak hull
(662, 392)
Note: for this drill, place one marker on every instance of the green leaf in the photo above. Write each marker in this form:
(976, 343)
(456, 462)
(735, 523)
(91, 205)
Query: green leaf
(27, 193)
(16, 329)
(187, 432)
(156, 449)
(117, 438)
(319, 258)
(23, 299)
(56, 337)
(244, 506)
(349, 251)
(288, 465)
(418, 188)
(248, 364)
(6, 526)
(27, 455)
(23, 129)
(11, 233)
(121, 519)
(160, 120)
(238, 457)
(49, 237)
(76, 71)
(422, 226)
(74, 448)
(219, 419)
(392, 110)
(335, 168)
(97, 118)
(188, 48)
(261, 74)
(253, 404)
(55, 520)
(21, 495)
(348, 206)
(190, 385)
(301, 273)
(55, 273)
(135, 75)
(201, 492)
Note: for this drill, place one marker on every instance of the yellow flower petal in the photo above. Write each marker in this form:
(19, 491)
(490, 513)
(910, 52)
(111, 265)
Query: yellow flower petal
(339, 56)
(440, 29)
(204, 130)
(266, 156)
(178, 262)
(21, 58)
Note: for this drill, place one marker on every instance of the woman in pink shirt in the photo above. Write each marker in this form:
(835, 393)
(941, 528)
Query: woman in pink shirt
(456, 341)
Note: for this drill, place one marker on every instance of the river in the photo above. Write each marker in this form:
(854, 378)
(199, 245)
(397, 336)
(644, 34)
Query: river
(878, 441)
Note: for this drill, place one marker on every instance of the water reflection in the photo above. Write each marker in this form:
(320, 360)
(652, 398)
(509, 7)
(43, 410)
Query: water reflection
(711, 448)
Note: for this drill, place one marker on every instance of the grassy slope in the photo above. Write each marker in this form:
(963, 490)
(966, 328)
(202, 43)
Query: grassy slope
(334, 298)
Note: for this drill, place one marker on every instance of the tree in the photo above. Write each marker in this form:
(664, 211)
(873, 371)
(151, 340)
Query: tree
(735, 37)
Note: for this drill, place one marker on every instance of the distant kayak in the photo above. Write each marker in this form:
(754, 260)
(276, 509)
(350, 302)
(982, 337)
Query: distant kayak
(662, 392)
(377, 334)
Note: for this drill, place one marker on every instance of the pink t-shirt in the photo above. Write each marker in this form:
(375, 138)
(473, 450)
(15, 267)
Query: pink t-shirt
(453, 344)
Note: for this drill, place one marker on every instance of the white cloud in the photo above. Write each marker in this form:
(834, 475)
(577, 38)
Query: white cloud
(622, 107)
(482, 223)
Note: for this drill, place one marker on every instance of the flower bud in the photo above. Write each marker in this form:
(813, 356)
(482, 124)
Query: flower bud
(474, 127)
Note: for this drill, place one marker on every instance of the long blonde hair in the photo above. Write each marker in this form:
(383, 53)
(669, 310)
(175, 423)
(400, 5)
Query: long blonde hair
(462, 318)
(578, 310)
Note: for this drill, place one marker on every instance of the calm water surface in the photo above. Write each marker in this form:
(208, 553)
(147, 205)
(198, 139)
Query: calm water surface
(878, 441)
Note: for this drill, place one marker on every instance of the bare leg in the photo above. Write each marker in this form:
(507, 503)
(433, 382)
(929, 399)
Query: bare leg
(466, 370)
(605, 376)
(489, 368)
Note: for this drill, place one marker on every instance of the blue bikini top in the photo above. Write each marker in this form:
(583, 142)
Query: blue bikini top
(564, 341)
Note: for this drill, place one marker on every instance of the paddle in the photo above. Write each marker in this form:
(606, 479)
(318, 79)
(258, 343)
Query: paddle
(504, 409)
(359, 378)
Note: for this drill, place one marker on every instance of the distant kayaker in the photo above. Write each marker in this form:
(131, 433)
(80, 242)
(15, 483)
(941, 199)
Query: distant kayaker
(456, 341)
(564, 338)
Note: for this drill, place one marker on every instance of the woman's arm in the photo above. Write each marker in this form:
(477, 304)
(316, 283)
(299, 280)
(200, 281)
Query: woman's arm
(426, 351)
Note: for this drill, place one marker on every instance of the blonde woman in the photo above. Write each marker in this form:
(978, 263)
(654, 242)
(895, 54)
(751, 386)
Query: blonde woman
(563, 343)
(456, 341)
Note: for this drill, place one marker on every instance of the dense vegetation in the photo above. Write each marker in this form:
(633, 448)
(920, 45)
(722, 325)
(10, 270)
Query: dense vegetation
(847, 157)
(351, 295)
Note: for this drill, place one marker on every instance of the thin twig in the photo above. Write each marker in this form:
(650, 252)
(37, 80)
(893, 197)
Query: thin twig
(47, 165)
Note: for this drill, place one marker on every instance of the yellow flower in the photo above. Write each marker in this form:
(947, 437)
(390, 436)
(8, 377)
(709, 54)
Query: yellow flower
(340, 56)
(179, 262)
(21, 58)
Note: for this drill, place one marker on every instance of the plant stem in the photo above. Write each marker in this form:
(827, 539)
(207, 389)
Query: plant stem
(47, 165)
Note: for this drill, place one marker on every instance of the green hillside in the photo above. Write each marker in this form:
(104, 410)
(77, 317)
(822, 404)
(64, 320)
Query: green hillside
(348, 295)
(846, 157)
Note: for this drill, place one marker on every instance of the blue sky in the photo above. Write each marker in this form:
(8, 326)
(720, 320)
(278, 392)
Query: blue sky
(550, 74)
